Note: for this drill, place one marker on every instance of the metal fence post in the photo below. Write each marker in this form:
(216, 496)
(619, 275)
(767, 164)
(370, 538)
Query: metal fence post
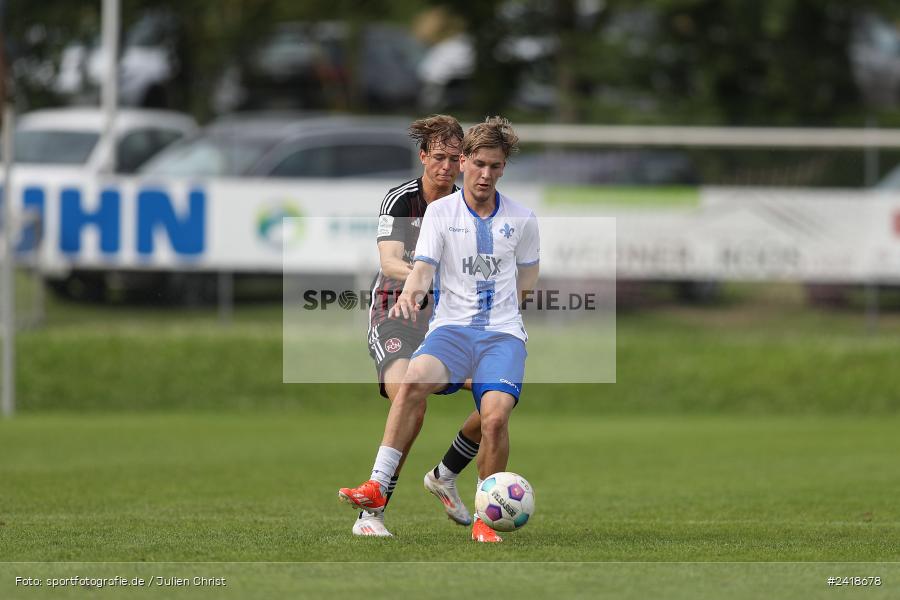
(7, 281)
(873, 301)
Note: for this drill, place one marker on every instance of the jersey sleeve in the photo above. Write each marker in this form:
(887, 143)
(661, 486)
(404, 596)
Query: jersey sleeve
(430, 246)
(392, 222)
(528, 250)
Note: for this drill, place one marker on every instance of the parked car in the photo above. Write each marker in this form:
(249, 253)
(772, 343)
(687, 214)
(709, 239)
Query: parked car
(71, 137)
(292, 146)
(615, 166)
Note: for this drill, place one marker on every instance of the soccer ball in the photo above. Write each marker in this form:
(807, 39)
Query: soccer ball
(505, 501)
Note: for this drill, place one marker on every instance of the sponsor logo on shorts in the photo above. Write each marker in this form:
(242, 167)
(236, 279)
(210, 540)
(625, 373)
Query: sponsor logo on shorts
(393, 345)
(510, 383)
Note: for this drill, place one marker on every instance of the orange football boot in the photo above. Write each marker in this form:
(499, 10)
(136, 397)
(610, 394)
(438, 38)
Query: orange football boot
(482, 533)
(367, 497)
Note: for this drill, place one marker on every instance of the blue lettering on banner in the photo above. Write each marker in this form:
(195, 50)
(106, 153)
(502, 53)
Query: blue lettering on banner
(73, 220)
(155, 211)
(186, 235)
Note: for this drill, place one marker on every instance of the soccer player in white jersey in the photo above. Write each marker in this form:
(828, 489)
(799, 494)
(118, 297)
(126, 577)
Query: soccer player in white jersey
(482, 250)
(393, 341)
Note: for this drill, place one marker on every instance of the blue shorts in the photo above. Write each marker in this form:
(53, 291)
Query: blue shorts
(494, 361)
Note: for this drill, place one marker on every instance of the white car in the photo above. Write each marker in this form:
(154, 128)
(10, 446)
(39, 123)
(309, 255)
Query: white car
(70, 138)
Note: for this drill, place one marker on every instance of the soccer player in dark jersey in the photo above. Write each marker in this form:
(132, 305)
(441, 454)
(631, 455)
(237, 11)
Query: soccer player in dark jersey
(392, 341)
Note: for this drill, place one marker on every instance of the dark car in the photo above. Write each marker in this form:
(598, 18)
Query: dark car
(618, 167)
(292, 146)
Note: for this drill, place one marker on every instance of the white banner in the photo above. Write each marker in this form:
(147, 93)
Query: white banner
(238, 225)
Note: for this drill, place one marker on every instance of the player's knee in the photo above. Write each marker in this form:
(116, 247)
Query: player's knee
(493, 426)
(418, 390)
(417, 383)
(415, 374)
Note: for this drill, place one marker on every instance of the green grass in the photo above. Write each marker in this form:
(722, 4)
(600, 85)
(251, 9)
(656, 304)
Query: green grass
(589, 581)
(163, 488)
(623, 195)
(770, 355)
(752, 430)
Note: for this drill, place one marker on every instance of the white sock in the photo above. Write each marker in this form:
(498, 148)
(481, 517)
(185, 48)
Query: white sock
(445, 473)
(386, 462)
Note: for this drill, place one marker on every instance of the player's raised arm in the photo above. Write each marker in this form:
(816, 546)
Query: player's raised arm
(417, 283)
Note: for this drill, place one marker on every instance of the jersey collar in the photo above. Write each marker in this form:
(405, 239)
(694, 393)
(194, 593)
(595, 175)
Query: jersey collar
(462, 194)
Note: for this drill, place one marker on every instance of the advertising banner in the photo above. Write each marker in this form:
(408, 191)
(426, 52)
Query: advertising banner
(265, 226)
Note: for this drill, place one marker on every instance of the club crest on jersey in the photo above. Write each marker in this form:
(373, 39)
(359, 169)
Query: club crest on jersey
(393, 345)
(485, 264)
(417, 222)
(507, 231)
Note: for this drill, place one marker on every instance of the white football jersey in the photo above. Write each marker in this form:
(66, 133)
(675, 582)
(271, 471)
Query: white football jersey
(477, 261)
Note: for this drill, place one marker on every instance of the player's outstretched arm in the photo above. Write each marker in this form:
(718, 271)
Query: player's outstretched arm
(390, 253)
(415, 288)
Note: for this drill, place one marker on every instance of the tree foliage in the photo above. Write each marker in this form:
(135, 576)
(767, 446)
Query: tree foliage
(685, 61)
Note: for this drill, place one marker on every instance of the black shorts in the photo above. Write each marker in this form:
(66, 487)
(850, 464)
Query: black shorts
(390, 340)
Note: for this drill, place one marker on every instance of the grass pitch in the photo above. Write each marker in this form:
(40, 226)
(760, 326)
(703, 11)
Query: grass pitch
(238, 488)
(153, 443)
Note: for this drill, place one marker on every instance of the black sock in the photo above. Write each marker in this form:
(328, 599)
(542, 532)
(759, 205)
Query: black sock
(459, 454)
(390, 490)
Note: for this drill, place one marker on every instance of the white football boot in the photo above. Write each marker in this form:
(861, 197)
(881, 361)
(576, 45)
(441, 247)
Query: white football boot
(445, 491)
(371, 525)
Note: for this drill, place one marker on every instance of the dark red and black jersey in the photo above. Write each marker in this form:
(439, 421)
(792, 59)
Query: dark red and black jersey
(399, 219)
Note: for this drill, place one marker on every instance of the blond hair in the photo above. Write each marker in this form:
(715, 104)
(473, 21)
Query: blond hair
(495, 132)
(436, 128)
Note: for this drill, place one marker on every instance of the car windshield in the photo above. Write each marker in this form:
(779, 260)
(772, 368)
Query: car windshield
(208, 156)
(51, 147)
